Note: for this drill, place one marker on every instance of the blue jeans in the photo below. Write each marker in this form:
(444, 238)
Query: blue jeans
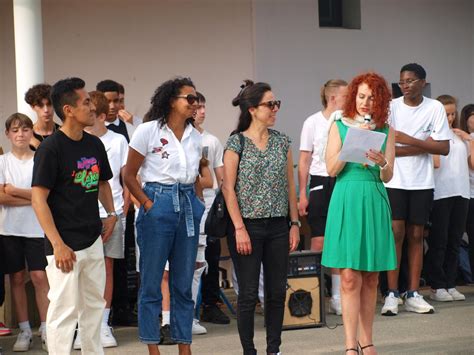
(169, 230)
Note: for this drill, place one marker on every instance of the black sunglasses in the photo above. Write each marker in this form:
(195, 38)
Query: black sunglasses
(191, 99)
(271, 104)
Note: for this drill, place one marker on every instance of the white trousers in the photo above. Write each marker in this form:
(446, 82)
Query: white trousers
(76, 295)
(200, 258)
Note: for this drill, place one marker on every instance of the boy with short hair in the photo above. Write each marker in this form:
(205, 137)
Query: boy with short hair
(71, 171)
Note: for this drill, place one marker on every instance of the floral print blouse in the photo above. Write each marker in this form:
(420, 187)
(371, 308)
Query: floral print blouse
(262, 181)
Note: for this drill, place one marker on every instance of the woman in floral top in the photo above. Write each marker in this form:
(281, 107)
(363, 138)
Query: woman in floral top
(260, 194)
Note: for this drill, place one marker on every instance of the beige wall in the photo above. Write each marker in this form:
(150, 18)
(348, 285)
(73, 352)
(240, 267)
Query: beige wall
(142, 43)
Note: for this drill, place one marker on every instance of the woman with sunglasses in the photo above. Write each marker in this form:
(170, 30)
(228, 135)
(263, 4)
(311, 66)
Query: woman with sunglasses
(359, 239)
(260, 193)
(167, 150)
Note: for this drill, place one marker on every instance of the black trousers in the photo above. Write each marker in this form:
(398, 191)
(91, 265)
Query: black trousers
(470, 233)
(448, 223)
(210, 281)
(270, 244)
(124, 267)
(2, 273)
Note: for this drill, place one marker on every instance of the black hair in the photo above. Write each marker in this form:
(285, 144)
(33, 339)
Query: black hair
(121, 89)
(466, 112)
(108, 86)
(201, 98)
(64, 93)
(35, 95)
(249, 96)
(415, 68)
(161, 100)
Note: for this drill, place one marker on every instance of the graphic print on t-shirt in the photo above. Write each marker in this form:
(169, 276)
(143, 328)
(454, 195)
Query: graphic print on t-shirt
(88, 174)
(160, 150)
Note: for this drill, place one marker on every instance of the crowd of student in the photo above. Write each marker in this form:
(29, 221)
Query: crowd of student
(108, 173)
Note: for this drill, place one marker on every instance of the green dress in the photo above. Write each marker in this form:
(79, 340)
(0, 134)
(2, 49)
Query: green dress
(359, 223)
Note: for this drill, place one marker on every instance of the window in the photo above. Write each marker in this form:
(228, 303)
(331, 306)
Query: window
(339, 13)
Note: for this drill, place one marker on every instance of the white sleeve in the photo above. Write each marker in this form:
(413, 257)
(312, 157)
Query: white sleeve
(123, 151)
(140, 139)
(218, 152)
(2, 170)
(441, 131)
(307, 135)
(137, 120)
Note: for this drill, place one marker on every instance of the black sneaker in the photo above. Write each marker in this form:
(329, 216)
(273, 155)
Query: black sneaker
(213, 314)
(124, 317)
(166, 335)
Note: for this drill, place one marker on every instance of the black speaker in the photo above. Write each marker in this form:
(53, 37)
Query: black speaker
(304, 304)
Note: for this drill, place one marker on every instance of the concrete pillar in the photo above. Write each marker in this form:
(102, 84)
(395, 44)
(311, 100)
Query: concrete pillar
(28, 49)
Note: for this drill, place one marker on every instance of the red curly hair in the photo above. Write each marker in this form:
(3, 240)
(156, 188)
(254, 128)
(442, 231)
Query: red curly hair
(380, 91)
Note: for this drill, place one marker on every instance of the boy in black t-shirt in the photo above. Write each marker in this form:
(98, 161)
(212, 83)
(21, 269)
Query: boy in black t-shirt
(71, 171)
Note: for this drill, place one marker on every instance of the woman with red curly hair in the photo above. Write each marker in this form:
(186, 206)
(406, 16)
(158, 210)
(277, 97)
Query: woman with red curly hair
(359, 238)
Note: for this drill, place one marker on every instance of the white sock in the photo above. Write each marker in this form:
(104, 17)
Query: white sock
(25, 326)
(336, 286)
(105, 317)
(42, 326)
(165, 315)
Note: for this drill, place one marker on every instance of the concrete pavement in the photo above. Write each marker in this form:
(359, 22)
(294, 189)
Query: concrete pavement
(448, 331)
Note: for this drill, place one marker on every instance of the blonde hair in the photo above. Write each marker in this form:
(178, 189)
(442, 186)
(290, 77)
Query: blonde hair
(450, 100)
(328, 88)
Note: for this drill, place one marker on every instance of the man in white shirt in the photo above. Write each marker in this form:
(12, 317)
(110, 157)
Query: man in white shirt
(421, 130)
(123, 113)
(122, 314)
(315, 128)
(117, 149)
(208, 248)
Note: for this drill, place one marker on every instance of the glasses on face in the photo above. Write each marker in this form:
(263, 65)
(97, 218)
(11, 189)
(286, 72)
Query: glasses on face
(271, 104)
(408, 82)
(191, 99)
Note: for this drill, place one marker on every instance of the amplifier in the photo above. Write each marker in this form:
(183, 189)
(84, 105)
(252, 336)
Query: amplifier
(304, 303)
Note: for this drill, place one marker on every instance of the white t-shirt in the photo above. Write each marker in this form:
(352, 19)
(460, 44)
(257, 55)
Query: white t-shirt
(471, 174)
(18, 221)
(452, 177)
(116, 147)
(213, 151)
(315, 128)
(167, 160)
(428, 119)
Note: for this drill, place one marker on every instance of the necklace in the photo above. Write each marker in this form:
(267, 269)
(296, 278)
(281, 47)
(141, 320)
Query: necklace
(44, 136)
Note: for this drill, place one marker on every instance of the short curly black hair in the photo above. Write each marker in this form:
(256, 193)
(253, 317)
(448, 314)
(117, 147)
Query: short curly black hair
(36, 94)
(161, 100)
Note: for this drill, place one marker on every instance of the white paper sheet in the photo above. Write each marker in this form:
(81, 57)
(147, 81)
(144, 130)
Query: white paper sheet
(358, 142)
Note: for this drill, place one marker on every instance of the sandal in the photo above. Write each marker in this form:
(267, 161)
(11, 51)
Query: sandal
(352, 349)
(364, 347)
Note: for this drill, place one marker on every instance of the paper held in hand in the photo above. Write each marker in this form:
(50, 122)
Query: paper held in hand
(358, 142)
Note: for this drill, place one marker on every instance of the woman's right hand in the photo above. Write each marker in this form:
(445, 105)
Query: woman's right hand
(242, 241)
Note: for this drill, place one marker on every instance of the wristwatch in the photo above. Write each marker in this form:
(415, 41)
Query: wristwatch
(295, 223)
(111, 214)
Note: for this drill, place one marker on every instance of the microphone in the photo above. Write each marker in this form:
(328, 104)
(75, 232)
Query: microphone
(367, 119)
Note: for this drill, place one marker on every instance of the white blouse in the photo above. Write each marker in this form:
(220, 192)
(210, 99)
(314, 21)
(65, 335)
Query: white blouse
(167, 160)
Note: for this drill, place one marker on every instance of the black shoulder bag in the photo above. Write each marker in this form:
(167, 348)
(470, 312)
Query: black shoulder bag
(218, 219)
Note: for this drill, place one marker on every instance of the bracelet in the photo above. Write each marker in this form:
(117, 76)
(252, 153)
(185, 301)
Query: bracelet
(385, 166)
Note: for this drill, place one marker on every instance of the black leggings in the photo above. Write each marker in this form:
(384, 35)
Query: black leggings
(448, 222)
(270, 244)
(470, 233)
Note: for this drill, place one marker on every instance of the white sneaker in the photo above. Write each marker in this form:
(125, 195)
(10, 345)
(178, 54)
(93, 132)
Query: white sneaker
(335, 306)
(44, 343)
(417, 304)
(77, 342)
(441, 295)
(390, 306)
(23, 341)
(457, 296)
(198, 329)
(107, 337)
